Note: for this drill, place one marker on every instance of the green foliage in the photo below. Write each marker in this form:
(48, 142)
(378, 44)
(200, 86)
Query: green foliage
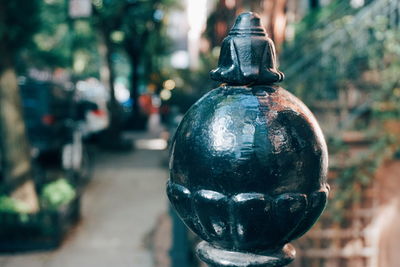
(344, 54)
(57, 193)
(84, 48)
(60, 41)
(52, 41)
(319, 18)
(53, 196)
(135, 29)
(146, 37)
(11, 205)
(18, 21)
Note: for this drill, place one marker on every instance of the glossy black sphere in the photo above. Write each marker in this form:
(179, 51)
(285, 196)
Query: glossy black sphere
(248, 168)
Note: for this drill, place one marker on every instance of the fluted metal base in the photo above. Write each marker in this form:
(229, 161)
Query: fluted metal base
(217, 257)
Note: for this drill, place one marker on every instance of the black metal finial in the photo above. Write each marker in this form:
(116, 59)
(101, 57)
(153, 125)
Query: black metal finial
(248, 23)
(248, 163)
(247, 55)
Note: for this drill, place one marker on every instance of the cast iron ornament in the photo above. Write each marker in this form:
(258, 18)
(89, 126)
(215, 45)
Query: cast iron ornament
(248, 162)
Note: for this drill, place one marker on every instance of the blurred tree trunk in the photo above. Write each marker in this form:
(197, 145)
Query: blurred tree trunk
(133, 49)
(112, 138)
(314, 4)
(135, 84)
(106, 24)
(106, 45)
(13, 141)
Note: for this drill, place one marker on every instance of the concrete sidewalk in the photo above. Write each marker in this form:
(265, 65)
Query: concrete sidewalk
(119, 209)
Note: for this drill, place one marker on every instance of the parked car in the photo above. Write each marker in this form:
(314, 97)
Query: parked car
(52, 123)
(48, 114)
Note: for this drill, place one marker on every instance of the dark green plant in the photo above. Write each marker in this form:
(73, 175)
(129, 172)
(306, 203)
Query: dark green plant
(363, 55)
(57, 194)
(11, 205)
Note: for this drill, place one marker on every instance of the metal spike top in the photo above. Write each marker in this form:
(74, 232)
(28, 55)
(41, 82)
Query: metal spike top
(247, 55)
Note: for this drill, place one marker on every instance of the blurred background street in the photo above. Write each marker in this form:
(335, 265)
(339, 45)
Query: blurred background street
(120, 210)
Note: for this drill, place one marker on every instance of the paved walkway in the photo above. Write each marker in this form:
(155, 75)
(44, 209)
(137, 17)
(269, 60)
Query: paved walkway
(120, 208)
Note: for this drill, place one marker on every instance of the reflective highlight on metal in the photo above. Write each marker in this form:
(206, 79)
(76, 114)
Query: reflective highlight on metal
(248, 162)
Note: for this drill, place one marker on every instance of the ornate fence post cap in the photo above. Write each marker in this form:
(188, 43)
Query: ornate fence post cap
(248, 162)
(247, 55)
